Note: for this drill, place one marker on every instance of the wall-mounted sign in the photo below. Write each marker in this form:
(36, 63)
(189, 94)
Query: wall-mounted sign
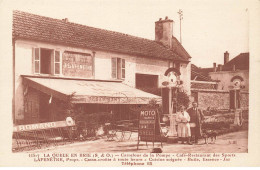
(41, 126)
(77, 64)
(173, 78)
(110, 100)
(237, 83)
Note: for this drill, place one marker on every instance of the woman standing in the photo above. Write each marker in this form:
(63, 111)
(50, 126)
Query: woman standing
(183, 119)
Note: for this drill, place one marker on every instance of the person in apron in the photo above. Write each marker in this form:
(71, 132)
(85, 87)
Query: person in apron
(183, 119)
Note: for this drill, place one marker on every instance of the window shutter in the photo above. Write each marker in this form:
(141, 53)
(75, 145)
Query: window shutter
(37, 60)
(114, 66)
(57, 61)
(119, 68)
(123, 69)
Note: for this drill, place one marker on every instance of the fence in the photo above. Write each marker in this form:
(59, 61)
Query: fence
(34, 136)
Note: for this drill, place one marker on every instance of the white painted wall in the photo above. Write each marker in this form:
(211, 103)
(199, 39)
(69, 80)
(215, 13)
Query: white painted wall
(152, 66)
(103, 66)
(225, 78)
(185, 70)
(134, 64)
(23, 65)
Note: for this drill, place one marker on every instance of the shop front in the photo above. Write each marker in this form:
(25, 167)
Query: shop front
(48, 99)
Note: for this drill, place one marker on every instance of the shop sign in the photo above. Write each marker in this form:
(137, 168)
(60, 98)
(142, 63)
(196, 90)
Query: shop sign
(110, 100)
(147, 123)
(77, 64)
(149, 126)
(41, 126)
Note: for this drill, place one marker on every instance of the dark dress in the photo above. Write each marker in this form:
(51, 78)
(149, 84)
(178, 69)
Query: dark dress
(196, 116)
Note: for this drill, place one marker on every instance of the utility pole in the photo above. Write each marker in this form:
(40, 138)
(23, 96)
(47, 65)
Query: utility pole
(181, 18)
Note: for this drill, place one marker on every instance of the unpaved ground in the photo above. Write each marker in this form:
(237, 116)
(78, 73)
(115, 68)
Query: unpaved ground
(236, 142)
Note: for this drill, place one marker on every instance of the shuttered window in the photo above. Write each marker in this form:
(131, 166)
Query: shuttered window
(57, 61)
(118, 68)
(46, 61)
(114, 68)
(37, 60)
(123, 68)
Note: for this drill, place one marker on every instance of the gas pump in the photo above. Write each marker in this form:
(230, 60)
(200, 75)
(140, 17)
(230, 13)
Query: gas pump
(169, 97)
(235, 98)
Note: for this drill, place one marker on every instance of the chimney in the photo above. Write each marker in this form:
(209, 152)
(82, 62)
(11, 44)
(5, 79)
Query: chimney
(234, 67)
(164, 31)
(220, 67)
(65, 20)
(226, 57)
(214, 67)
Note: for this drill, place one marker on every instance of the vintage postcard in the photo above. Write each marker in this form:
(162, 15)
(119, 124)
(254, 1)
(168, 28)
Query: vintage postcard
(130, 83)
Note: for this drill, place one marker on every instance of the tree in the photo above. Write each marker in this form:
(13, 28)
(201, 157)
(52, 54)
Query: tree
(182, 99)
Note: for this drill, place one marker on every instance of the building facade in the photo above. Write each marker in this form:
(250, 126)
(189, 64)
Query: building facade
(232, 72)
(223, 86)
(56, 61)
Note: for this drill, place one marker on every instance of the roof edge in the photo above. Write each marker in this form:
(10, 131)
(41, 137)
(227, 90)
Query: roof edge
(94, 49)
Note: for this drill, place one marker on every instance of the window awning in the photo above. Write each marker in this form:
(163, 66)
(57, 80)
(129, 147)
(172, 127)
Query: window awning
(90, 91)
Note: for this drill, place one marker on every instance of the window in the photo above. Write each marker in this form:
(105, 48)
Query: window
(47, 61)
(123, 68)
(57, 63)
(118, 68)
(37, 60)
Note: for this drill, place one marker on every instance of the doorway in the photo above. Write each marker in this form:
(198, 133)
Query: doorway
(44, 108)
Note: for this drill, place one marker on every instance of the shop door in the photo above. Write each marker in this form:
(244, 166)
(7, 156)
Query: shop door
(44, 110)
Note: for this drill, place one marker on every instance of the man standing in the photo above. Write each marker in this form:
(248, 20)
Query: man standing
(196, 119)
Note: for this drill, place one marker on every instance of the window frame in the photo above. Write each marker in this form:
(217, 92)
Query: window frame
(122, 68)
(52, 64)
(36, 60)
(59, 62)
(119, 69)
(115, 68)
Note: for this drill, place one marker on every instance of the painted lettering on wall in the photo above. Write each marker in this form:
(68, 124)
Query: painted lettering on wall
(41, 126)
(77, 64)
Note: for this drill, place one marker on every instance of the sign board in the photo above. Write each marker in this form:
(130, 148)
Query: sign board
(41, 126)
(149, 126)
(110, 100)
(77, 64)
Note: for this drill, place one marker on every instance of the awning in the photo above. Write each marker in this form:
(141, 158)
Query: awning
(90, 91)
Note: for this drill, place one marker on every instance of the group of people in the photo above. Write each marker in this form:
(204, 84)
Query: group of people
(189, 123)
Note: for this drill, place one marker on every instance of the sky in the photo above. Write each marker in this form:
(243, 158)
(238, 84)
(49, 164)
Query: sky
(209, 28)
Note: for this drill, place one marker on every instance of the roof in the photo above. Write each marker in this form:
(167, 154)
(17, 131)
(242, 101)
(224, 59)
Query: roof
(39, 28)
(200, 74)
(241, 62)
(90, 91)
(179, 49)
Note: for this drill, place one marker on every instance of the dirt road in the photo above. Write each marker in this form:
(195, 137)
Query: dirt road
(236, 142)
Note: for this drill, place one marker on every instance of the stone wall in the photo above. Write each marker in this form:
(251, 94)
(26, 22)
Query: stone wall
(244, 100)
(217, 99)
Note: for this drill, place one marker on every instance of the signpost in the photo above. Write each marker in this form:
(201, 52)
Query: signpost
(149, 127)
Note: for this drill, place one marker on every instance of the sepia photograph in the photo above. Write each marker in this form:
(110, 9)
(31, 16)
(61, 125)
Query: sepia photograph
(119, 80)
